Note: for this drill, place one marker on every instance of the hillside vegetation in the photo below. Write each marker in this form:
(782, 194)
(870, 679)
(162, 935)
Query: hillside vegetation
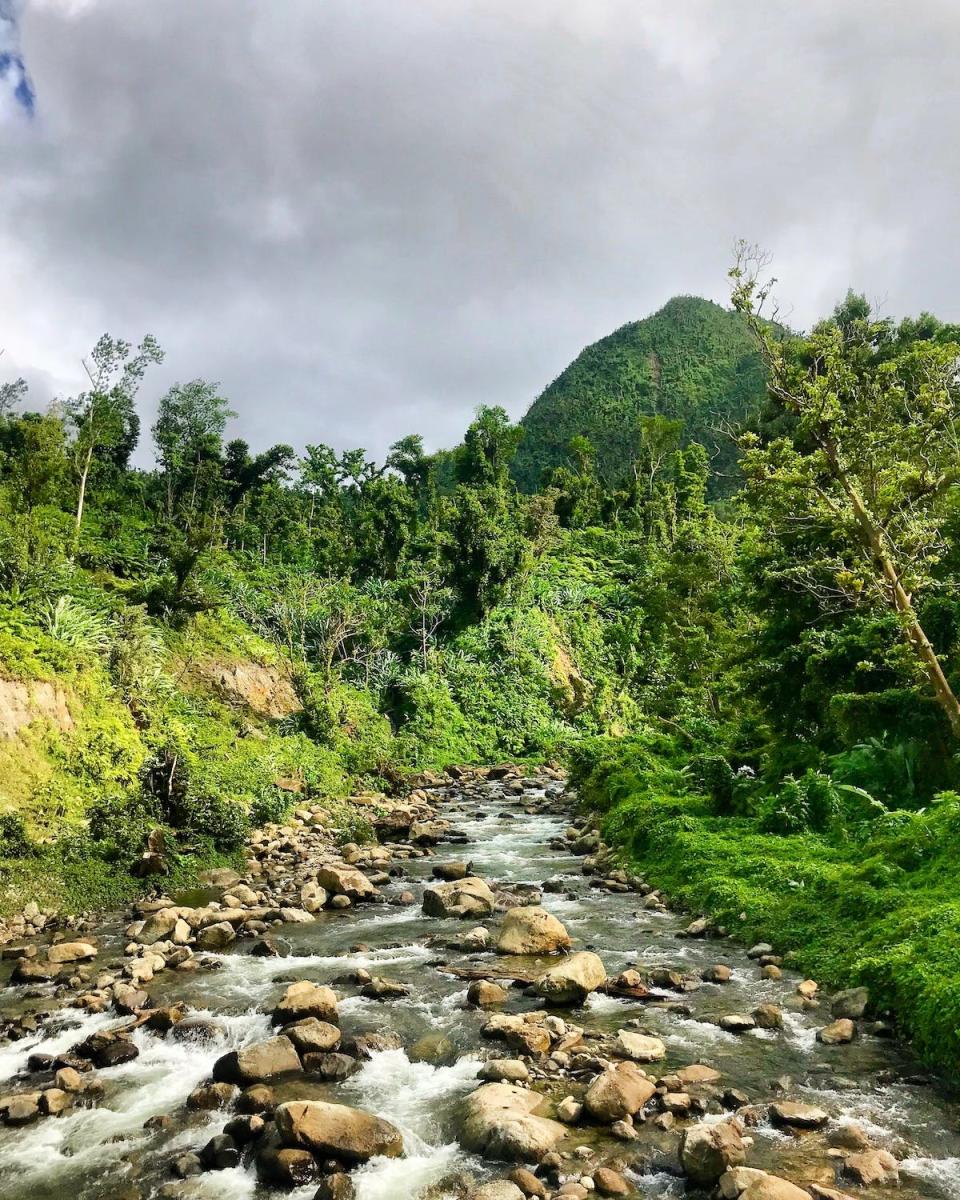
(693, 362)
(757, 692)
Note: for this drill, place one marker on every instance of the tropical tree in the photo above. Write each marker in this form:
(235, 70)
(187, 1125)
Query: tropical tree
(862, 460)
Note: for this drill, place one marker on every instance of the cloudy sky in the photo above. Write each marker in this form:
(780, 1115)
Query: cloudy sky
(366, 217)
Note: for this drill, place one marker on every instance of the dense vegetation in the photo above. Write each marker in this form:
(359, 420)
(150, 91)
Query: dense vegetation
(755, 683)
(692, 362)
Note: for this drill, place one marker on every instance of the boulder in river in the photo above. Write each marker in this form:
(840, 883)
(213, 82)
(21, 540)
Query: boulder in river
(532, 930)
(68, 952)
(758, 1185)
(619, 1091)
(837, 1033)
(470, 897)
(500, 1122)
(639, 1047)
(258, 1062)
(499, 1189)
(337, 1131)
(707, 1151)
(305, 999)
(793, 1114)
(341, 880)
(572, 979)
(484, 993)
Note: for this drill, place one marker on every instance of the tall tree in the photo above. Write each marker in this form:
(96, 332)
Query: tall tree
(868, 457)
(104, 418)
(189, 432)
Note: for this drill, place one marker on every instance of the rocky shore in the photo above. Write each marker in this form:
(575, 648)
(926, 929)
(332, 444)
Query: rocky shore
(562, 1104)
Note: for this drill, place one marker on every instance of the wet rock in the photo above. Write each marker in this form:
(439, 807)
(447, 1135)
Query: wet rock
(572, 979)
(619, 1091)
(485, 994)
(258, 1062)
(384, 989)
(760, 950)
(33, 970)
(504, 1070)
(113, 1053)
(532, 930)
(849, 1136)
(792, 1114)
(665, 977)
(758, 1185)
(807, 988)
(470, 897)
(610, 1183)
(256, 1099)
(771, 971)
(433, 1048)
(304, 999)
(187, 1165)
(158, 926)
(499, 1121)
(696, 1073)
(707, 1151)
(336, 1131)
(768, 1016)
(286, 1167)
(528, 1038)
(210, 1096)
(313, 1036)
(872, 1168)
(851, 1003)
(217, 936)
(363, 1045)
(68, 952)
(68, 1080)
(639, 1047)
(345, 881)
(499, 1189)
(528, 1183)
(337, 1186)
(21, 1109)
(837, 1033)
(54, 1100)
(719, 973)
(737, 1023)
(451, 870)
(220, 1153)
(332, 1066)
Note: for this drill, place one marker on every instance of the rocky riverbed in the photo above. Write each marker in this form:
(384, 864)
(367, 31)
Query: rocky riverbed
(479, 1006)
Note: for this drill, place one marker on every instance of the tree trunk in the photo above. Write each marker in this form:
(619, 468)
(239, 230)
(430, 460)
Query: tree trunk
(901, 602)
(81, 497)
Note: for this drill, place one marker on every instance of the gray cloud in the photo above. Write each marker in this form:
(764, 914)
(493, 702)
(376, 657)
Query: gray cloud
(366, 219)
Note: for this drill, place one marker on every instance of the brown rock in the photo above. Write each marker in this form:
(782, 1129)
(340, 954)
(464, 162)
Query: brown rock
(707, 1151)
(336, 1131)
(619, 1091)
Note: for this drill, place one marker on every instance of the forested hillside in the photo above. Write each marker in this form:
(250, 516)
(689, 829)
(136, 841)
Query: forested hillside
(692, 362)
(758, 692)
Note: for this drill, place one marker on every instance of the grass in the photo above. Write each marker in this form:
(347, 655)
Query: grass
(882, 910)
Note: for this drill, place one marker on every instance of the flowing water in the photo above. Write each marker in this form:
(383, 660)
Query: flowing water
(108, 1152)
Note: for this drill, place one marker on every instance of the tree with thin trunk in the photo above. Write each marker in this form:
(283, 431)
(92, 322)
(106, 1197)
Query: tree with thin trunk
(103, 416)
(860, 460)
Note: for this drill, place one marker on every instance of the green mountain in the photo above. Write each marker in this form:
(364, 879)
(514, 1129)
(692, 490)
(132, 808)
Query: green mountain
(692, 361)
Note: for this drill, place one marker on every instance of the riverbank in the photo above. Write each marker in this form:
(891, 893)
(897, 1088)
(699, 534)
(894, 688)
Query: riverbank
(479, 1005)
(880, 910)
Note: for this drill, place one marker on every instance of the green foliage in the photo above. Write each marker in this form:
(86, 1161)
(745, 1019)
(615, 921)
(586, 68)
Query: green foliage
(692, 362)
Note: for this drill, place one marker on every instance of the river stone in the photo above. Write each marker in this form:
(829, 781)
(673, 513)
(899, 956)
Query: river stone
(504, 1070)
(158, 926)
(837, 1033)
(338, 1186)
(850, 1003)
(68, 952)
(217, 936)
(759, 950)
(639, 1046)
(528, 1038)
(719, 973)
(619, 1091)
(258, 1062)
(707, 1151)
(33, 970)
(313, 1036)
(470, 897)
(499, 1122)
(610, 1183)
(528, 1183)
(793, 1114)
(870, 1167)
(345, 881)
(336, 1131)
(305, 999)
(451, 870)
(331, 1066)
(210, 1096)
(572, 979)
(697, 1073)
(484, 993)
(531, 930)
(768, 1016)
(772, 1187)
(500, 1189)
(737, 1023)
